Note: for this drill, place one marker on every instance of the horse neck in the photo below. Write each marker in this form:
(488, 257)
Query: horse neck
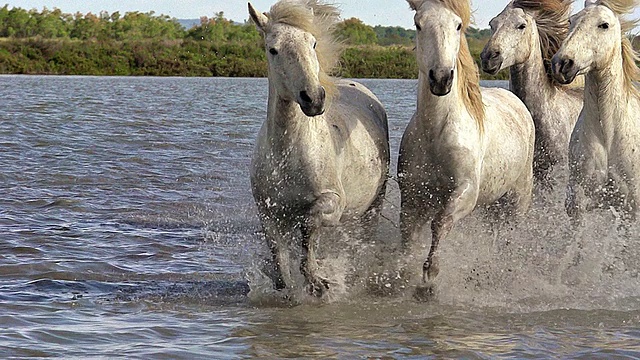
(605, 98)
(286, 123)
(529, 80)
(434, 111)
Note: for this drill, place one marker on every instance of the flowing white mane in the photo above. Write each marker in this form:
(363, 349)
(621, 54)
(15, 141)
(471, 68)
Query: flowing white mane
(629, 55)
(320, 20)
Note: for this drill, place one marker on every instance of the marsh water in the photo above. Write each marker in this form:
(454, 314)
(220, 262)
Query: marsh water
(128, 230)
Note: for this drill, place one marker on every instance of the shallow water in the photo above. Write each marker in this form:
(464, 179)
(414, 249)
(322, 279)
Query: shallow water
(127, 230)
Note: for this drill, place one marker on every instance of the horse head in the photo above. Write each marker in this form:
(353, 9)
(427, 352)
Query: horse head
(513, 34)
(438, 32)
(294, 68)
(594, 36)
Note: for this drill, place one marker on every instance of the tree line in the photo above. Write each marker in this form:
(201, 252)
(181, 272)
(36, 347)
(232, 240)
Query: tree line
(135, 43)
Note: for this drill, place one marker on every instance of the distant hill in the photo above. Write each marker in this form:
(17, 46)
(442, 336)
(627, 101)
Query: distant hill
(189, 23)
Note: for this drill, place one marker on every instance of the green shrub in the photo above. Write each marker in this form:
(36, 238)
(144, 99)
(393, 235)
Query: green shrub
(50, 42)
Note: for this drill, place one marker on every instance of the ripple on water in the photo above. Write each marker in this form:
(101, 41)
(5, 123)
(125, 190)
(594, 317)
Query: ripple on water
(128, 230)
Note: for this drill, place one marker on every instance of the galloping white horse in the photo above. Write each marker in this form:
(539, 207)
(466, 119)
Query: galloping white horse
(322, 156)
(525, 35)
(465, 146)
(604, 152)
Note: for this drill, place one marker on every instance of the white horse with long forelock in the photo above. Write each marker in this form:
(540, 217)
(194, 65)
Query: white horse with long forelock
(525, 36)
(322, 156)
(465, 146)
(604, 152)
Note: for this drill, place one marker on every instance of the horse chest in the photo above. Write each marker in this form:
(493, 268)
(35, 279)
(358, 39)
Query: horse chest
(435, 158)
(291, 175)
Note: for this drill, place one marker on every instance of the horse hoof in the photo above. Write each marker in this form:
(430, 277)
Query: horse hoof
(318, 287)
(431, 269)
(425, 292)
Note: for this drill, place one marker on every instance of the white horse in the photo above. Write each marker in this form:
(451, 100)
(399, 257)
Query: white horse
(465, 147)
(525, 35)
(322, 156)
(604, 152)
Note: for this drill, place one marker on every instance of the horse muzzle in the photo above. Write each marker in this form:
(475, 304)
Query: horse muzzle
(564, 69)
(312, 104)
(440, 81)
(491, 61)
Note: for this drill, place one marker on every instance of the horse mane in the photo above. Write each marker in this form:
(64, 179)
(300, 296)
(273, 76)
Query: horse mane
(469, 76)
(551, 18)
(320, 20)
(629, 55)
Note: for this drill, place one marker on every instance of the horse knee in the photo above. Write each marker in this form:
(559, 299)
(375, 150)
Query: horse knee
(327, 209)
(461, 202)
(441, 225)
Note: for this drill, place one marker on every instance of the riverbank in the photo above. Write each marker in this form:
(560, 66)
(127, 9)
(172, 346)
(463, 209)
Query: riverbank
(186, 57)
(138, 44)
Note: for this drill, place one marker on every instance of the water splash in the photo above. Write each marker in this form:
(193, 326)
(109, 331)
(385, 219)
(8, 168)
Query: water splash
(537, 263)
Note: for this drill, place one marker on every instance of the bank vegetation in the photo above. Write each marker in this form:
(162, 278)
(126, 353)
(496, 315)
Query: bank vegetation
(135, 43)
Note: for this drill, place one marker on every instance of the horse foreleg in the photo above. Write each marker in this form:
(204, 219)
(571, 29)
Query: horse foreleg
(326, 211)
(440, 228)
(413, 224)
(523, 193)
(572, 204)
(278, 267)
(579, 199)
(309, 264)
(587, 180)
(460, 204)
(415, 214)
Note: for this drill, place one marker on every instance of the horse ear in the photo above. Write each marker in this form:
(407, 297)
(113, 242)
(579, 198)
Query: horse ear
(258, 18)
(415, 4)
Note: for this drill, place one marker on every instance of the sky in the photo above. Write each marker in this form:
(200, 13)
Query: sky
(371, 12)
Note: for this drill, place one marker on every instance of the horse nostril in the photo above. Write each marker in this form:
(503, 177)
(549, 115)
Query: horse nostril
(566, 65)
(305, 96)
(495, 54)
(431, 76)
(452, 73)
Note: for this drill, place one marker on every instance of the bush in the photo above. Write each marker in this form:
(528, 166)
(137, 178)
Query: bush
(50, 42)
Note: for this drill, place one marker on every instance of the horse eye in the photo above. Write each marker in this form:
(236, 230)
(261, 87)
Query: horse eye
(273, 51)
(459, 27)
(604, 26)
(418, 27)
(522, 26)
